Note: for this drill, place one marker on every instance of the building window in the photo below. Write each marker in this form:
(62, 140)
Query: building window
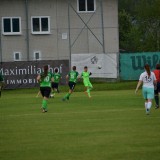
(17, 56)
(40, 25)
(37, 55)
(11, 25)
(86, 5)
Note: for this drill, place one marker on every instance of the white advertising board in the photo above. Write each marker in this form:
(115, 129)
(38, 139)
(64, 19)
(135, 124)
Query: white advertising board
(101, 65)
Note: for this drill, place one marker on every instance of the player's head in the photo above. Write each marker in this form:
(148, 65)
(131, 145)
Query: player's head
(147, 68)
(45, 70)
(158, 66)
(56, 70)
(85, 68)
(74, 68)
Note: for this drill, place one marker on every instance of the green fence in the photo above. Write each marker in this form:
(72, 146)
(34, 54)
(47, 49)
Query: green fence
(132, 64)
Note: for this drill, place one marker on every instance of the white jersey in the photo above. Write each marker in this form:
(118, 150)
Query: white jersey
(147, 81)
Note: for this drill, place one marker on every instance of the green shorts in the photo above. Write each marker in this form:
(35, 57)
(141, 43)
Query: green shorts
(148, 93)
(87, 84)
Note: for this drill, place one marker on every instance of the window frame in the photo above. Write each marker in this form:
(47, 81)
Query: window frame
(40, 22)
(34, 55)
(20, 57)
(86, 11)
(11, 27)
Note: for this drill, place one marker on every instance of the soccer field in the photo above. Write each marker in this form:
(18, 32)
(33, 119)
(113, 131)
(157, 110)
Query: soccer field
(110, 126)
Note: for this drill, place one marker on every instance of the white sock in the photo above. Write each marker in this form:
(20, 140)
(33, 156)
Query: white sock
(145, 104)
(149, 105)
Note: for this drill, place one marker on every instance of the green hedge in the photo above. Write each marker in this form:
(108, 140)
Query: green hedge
(98, 86)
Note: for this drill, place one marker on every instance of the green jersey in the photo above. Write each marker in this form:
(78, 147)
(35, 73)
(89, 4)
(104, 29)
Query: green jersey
(46, 81)
(56, 77)
(73, 76)
(85, 76)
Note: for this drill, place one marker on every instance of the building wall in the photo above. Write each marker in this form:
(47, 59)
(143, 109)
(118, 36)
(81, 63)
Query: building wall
(52, 46)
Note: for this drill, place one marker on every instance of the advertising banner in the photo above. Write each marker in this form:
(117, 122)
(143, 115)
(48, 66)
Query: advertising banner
(24, 74)
(101, 65)
(132, 65)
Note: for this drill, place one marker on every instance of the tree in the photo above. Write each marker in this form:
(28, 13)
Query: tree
(149, 23)
(139, 25)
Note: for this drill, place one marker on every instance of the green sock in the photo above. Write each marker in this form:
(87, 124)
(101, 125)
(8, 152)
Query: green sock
(88, 91)
(44, 104)
(67, 95)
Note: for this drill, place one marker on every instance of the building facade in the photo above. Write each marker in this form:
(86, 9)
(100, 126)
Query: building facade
(39, 30)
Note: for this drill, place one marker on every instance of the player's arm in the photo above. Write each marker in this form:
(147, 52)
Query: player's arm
(81, 75)
(138, 85)
(78, 76)
(38, 78)
(67, 78)
(155, 82)
(60, 78)
(52, 79)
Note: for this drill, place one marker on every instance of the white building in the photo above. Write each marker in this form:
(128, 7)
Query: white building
(70, 30)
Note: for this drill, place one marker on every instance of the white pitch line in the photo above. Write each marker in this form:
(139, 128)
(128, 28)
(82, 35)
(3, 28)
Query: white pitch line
(91, 111)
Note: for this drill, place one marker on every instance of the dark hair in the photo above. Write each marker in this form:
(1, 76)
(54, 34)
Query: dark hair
(56, 70)
(45, 73)
(147, 67)
(158, 66)
(85, 67)
(74, 68)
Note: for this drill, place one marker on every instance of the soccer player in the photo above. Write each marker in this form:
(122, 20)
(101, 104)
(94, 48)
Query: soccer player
(85, 75)
(149, 80)
(72, 77)
(157, 88)
(57, 77)
(1, 83)
(45, 87)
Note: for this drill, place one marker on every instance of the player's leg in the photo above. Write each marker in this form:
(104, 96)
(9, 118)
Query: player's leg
(144, 93)
(150, 96)
(52, 90)
(157, 91)
(57, 88)
(47, 91)
(156, 97)
(43, 102)
(39, 92)
(69, 93)
(90, 87)
(71, 89)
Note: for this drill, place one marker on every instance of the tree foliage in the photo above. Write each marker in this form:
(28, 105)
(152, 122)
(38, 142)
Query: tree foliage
(139, 25)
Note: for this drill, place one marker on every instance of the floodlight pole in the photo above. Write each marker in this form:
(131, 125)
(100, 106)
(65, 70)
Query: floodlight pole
(0, 47)
(69, 36)
(102, 20)
(27, 29)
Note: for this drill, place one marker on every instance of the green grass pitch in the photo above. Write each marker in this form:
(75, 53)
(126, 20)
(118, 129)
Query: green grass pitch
(110, 126)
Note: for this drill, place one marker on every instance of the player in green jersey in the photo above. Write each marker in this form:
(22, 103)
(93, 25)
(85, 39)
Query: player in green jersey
(45, 86)
(85, 75)
(72, 77)
(57, 77)
(1, 83)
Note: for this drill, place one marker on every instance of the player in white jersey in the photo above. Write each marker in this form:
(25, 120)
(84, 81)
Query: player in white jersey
(149, 81)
